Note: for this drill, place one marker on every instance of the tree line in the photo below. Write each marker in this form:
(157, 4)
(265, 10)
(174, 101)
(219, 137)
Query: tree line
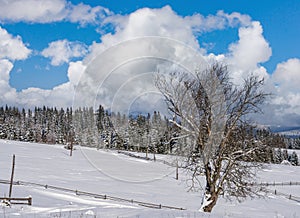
(87, 127)
(148, 133)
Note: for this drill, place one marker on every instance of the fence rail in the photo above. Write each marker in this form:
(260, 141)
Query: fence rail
(17, 200)
(288, 196)
(90, 194)
(147, 158)
(273, 183)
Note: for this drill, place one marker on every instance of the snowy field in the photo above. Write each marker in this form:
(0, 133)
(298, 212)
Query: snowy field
(112, 174)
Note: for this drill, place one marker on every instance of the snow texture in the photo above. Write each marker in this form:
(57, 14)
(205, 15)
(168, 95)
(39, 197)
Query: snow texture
(113, 174)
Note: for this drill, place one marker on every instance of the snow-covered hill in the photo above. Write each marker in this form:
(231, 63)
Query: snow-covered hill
(113, 174)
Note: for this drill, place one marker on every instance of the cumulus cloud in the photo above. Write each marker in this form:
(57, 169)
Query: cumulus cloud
(234, 19)
(164, 22)
(62, 51)
(5, 68)
(86, 14)
(75, 72)
(251, 49)
(285, 105)
(32, 10)
(7, 93)
(221, 20)
(287, 75)
(12, 47)
(246, 55)
(45, 11)
(147, 22)
(178, 47)
(59, 96)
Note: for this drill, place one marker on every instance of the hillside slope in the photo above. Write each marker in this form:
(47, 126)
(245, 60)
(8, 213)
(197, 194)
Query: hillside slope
(113, 174)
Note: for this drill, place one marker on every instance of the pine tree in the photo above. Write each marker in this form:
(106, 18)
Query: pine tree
(285, 154)
(278, 156)
(293, 159)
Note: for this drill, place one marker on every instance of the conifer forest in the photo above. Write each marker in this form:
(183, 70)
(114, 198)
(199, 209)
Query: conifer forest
(149, 133)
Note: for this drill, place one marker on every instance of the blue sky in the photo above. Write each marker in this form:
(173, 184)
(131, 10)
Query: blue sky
(34, 32)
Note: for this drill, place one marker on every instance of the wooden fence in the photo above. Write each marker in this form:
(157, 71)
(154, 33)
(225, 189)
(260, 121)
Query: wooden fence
(147, 158)
(288, 196)
(90, 194)
(144, 204)
(273, 183)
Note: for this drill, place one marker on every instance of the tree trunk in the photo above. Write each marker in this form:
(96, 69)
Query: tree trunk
(210, 196)
(209, 201)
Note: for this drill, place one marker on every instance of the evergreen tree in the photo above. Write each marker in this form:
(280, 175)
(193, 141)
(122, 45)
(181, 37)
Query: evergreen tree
(293, 159)
(278, 156)
(285, 155)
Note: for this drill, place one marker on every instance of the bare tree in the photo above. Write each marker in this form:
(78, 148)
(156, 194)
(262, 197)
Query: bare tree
(211, 112)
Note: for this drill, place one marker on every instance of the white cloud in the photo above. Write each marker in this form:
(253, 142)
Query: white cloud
(59, 96)
(152, 22)
(164, 22)
(45, 11)
(86, 14)
(62, 51)
(286, 101)
(75, 71)
(221, 20)
(12, 47)
(246, 55)
(5, 68)
(287, 75)
(146, 22)
(7, 93)
(251, 49)
(32, 10)
(235, 18)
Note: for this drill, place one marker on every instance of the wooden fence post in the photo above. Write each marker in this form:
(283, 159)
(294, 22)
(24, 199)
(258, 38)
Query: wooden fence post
(177, 170)
(70, 140)
(12, 177)
(30, 200)
(71, 148)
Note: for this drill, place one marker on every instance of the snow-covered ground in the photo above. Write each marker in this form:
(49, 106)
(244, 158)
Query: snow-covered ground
(112, 174)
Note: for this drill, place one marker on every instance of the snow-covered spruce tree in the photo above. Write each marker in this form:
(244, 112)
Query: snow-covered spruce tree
(293, 159)
(136, 131)
(107, 134)
(86, 124)
(210, 111)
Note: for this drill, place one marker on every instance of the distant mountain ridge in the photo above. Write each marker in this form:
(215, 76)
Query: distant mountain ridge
(287, 130)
